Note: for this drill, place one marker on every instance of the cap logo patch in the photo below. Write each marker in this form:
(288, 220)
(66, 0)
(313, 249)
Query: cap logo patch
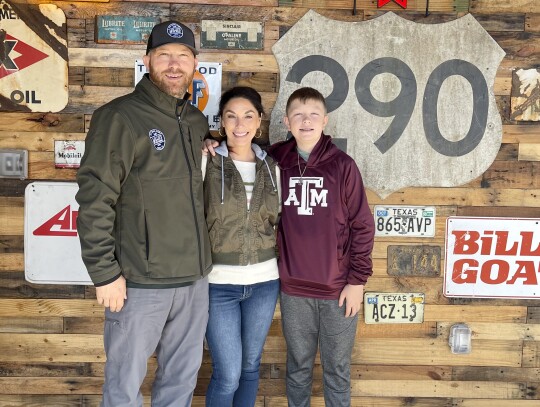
(175, 31)
(158, 139)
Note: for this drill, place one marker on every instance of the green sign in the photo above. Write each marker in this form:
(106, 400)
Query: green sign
(124, 29)
(217, 34)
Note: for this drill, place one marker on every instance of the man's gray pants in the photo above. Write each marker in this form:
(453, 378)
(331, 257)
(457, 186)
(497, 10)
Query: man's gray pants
(308, 322)
(171, 322)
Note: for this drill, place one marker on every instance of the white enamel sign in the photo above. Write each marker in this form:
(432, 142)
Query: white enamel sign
(414, 101)
(52, 252)
(492, 257)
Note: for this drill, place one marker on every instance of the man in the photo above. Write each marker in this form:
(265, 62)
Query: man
(142, 229)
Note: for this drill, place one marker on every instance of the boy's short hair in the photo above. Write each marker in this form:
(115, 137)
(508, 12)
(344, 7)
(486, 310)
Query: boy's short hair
(303, 94)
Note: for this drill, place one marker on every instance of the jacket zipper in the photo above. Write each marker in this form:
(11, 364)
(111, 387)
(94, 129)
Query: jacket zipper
(179, 118)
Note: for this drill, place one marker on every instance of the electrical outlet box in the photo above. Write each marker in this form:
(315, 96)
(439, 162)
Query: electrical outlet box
(13, 163)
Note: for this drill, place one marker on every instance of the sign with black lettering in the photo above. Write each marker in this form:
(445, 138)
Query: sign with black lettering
(217, 34)
(414, 260)
(33, 57)
(124, 29)
(409, 221)
(492, 257)
(393, 308)
(415, 101)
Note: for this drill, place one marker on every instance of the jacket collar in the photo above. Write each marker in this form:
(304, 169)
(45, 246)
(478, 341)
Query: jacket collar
(223, 150)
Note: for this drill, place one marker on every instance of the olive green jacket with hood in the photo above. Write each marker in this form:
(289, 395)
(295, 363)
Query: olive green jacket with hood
(140, 192)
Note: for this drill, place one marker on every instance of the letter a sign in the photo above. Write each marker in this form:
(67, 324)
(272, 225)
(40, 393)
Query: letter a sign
(413, 102)
(33, 58)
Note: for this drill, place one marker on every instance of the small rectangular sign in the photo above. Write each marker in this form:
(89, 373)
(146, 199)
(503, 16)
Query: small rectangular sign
(492, 257)
(218, 34)
(68, 153)
(414, 260)
(124, 29)
(407, 221)
(393, 308)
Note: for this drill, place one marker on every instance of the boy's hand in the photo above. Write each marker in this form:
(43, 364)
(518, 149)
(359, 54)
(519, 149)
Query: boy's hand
(208, 147)
(352, 296)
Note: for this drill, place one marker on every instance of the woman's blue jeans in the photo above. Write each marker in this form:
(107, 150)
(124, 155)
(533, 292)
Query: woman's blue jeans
(240, 317)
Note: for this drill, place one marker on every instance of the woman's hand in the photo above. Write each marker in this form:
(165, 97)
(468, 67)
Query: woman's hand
(208, 147)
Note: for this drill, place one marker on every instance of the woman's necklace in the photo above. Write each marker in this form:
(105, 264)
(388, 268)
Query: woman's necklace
(300, 170)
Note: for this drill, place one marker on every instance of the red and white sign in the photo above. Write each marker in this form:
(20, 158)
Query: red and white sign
(52, 253)
(492, 257)
(68, 153)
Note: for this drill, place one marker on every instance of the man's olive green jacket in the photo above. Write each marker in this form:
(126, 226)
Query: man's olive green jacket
(140, 192)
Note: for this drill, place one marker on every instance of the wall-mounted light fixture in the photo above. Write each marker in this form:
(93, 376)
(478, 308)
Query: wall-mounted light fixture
(460, 338)
(13, 163)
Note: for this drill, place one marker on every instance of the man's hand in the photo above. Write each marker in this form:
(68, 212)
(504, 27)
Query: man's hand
(209, 146)
(352, 296)
(112, 295)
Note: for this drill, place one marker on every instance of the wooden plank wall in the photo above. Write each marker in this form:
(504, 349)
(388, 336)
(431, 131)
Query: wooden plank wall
(50, 335)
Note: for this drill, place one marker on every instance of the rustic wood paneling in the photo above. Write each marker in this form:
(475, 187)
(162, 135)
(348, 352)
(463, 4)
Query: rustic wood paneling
(51, 350)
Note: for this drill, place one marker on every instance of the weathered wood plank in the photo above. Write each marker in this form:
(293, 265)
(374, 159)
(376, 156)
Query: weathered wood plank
(529, 152)
(493, 403)
(11, 244)
(500, 374)
(31, 325)
(495, 331)
(531, 354)
(252, 3)
(499, 211)
(10, 217)
(532, 22)
(412, 5)
(521, 133)
(371, 402)
(13, 285)
(504, 174)
(55, 122)
(35, 140)
(523, 45)
(502, 6)
(460, 196)
(48, 307)
(59, 369)
(41, 401)
(11, 261)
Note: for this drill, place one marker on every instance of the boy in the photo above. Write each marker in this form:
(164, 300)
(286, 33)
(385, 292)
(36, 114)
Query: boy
(325, 238)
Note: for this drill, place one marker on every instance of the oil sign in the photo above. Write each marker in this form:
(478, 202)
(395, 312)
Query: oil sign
(492, 257)
(33, 58)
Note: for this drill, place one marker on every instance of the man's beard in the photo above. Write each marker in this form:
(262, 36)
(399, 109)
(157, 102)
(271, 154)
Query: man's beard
(177, 88)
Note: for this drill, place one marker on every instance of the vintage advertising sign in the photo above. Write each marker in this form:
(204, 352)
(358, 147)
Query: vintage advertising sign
(525, 95)
(68, 153)
(124, 29)
(52, 252)
(408, 221)
(402, 3)
(492, 257)
(221, 34)
(393, 308)
(414, 260)
(33, 57)
(415, 101)
(205, 89)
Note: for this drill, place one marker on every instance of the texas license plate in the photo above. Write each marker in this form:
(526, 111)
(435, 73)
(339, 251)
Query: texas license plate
(404, 220)
(393, 308)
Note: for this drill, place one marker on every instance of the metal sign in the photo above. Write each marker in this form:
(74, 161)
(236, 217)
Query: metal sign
(408, 97)
(68, 153)
(33, 58)
(52, 252)
(414, 260)
(124, 29)
(231, 34)
(492, 257)
(205, 89)
(393, 308)
(408, 221)
(525, 95)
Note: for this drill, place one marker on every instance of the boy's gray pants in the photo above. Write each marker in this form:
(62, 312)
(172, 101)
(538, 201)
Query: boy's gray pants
(170, 321)
(308, 322)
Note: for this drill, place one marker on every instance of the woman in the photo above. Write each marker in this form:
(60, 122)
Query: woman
(241, 204)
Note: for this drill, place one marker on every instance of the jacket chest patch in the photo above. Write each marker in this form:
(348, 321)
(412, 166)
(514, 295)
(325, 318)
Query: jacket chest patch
(158, 139)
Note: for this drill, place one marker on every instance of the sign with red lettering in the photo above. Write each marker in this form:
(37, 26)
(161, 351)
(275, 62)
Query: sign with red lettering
(492, 257)
(52, 252)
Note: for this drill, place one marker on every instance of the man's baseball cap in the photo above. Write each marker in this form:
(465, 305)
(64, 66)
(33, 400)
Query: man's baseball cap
(171, 32)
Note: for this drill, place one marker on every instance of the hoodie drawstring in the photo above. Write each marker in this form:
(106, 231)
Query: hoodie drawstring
(222, 182)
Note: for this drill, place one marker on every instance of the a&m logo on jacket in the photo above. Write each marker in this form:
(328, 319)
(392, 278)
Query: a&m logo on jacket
(311, 194)
(158, 138)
